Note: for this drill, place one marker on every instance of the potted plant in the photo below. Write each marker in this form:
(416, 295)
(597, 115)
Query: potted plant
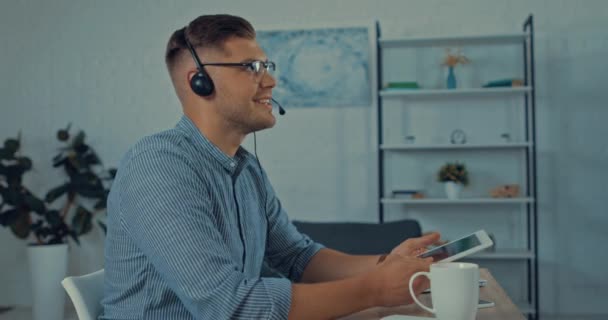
(48, 229)
(87, 180)
(452, 60)
(454, 176)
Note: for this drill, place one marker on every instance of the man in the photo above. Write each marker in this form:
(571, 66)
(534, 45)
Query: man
(192, 215)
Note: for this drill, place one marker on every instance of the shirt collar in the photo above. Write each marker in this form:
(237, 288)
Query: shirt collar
(233, 165)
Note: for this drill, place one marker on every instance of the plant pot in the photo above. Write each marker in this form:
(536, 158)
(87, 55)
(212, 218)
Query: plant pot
(452, 189)
(48, 266)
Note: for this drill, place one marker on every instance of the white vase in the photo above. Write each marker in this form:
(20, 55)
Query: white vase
(48, 266)
(452, 189)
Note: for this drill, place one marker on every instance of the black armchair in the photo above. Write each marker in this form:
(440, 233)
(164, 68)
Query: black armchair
(355, 237)
(360, 238)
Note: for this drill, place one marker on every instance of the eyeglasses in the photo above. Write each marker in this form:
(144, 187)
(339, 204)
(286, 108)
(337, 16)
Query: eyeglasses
(257, 67)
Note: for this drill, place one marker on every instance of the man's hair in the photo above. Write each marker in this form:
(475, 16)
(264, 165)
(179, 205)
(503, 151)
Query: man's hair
(209, 31)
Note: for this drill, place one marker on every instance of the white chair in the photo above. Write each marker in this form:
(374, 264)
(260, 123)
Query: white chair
(86, 293)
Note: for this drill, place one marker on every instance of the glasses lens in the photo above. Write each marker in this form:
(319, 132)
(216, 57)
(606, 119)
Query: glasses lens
(256, 66)
(269, 66)
(259, 67)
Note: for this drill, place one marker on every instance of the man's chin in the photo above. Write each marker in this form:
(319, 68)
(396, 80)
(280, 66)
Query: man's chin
(263, 125)
(272, 123)
(269, 121)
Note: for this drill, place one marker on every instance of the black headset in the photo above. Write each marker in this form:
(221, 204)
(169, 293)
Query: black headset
(200, 83)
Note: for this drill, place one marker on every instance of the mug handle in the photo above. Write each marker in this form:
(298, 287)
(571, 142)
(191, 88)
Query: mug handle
(428, 275)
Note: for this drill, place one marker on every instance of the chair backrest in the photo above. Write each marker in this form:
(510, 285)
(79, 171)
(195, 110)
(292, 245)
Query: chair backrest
(360, 238)
(86, 293)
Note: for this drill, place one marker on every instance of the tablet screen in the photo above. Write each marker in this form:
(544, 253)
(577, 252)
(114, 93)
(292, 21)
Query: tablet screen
(452, 248)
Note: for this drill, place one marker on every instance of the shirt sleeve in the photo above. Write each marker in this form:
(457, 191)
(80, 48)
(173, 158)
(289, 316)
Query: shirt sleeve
(164, 207)
(287, 250)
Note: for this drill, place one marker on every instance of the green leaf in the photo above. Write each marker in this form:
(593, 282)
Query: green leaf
(78, 139)
(25, 163)
(88, 185)
(35, 226)
(90, 158)
(8, 217)
(81, 223)
(21, 226)
(5, 154)
(59, 159)
(13, 173)
(12, 196)
(12, 145)
(56, 193)
(34, 203)
(103, 227)
(3, 192)
(53, 218)
(101, 204)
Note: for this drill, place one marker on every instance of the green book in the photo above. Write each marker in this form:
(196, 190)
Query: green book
(504, 83)
(403, 85)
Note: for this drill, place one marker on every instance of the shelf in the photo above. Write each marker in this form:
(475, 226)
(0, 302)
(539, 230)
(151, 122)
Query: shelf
(452, 92)
(504, 254)
(431, 147)
(457, 201)
(453, 40)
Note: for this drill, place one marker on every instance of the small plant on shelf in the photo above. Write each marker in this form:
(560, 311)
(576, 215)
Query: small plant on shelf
(454, 176)
(452, 60)
(454, 172)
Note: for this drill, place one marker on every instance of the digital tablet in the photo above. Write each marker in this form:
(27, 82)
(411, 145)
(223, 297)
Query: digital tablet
(459, 248)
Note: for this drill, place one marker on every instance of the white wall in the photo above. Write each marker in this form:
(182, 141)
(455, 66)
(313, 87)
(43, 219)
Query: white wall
(100, 65)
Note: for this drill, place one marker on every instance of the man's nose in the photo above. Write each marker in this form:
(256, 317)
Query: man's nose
(268, 80)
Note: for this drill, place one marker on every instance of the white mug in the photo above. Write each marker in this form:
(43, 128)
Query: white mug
(454, 290)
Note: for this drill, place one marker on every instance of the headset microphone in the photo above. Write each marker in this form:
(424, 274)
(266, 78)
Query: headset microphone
(281, 110)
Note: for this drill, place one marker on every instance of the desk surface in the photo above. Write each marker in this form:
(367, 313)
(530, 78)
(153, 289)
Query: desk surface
(504, 309)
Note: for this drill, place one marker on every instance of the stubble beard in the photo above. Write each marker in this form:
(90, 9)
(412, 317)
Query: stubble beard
(249, 122)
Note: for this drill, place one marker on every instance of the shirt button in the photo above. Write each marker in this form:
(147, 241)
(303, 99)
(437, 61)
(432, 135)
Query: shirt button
(232, 164)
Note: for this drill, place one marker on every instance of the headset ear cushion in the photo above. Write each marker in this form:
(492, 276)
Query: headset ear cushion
(201, 84)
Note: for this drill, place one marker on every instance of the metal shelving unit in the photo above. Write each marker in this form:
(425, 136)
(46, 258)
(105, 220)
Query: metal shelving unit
(457, 201)
(454, 40)
(454, 92)
(528, 201)
(430, 147)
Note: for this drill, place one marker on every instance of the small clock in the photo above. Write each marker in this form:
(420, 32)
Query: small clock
(458, 137)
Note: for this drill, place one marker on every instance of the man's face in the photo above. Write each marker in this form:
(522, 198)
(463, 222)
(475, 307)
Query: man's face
(242, 96)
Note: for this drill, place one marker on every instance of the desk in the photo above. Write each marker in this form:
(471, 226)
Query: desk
(25, 313)
(504, 309)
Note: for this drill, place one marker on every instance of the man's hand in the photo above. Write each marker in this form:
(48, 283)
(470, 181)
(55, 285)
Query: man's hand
(336, 284)
(390, 280)
(414, 246)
